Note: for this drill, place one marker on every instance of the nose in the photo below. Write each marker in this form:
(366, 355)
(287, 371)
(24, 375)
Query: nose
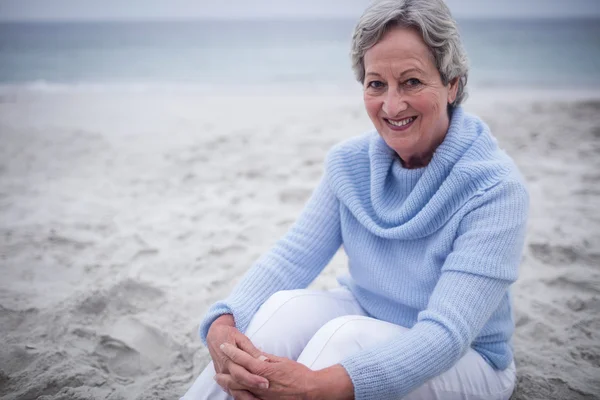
(394, 103)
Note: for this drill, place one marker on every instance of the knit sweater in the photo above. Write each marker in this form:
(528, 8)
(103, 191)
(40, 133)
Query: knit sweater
(433, 249)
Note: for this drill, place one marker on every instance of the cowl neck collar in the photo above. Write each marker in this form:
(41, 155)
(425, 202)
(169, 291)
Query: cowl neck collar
(395, 202)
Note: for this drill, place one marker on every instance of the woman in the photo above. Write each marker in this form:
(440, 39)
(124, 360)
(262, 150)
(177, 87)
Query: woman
(432, 216)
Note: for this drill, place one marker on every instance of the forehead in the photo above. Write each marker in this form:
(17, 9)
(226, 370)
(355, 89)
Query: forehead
(401, 47)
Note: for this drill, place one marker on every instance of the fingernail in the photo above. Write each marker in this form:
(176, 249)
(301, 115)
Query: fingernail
(222, 346)
(264, 385)
(262, 358)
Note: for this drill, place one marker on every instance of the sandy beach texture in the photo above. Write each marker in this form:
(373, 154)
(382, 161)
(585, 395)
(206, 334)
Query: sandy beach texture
(125, 214)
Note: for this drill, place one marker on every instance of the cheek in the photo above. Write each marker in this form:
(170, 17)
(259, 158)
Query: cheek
(372, 105)
(429, 105)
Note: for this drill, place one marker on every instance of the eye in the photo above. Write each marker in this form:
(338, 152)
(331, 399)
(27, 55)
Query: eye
(376, 85)
(412, 82)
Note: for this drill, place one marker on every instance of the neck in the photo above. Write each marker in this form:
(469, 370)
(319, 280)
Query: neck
(422, 160)
(415, 162)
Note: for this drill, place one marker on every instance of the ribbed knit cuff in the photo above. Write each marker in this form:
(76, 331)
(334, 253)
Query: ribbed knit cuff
(213, 313)
(365, 378)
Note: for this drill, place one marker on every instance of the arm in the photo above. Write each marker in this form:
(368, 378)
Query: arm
(292, 263)
(474, 278)
(332, 383)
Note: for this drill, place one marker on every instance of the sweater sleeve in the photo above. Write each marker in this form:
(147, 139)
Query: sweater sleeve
(474, 278)
(292, 263)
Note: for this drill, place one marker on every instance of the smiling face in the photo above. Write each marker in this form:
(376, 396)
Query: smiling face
(405, 97)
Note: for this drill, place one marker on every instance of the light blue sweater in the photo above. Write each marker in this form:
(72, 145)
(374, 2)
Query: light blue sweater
(434, 249)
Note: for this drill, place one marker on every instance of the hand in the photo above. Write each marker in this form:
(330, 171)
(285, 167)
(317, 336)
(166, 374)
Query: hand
(223, 330)
(287, 379)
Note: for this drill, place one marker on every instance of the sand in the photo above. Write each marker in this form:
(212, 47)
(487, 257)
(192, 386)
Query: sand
(124, 213)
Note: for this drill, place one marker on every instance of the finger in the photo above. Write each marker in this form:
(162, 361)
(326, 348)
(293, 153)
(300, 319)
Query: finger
(240, 357)
(227, 382)
(233, 388)
(243, 395)
(224, 364)
(245, 378)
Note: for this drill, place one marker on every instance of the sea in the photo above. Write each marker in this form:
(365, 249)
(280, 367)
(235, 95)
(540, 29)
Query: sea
(218, 54)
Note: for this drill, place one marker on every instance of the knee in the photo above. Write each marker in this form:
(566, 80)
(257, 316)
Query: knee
(283, 324)
(362, 330)
(333, 342)
(277, 319)
(341, 330)
(282, 297)
(281, 302)
(344, 336)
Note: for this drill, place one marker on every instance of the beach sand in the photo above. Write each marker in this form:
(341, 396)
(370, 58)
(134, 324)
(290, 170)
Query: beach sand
(125, 214)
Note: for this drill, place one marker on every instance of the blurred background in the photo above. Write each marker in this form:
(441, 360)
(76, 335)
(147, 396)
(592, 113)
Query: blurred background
(513, 43)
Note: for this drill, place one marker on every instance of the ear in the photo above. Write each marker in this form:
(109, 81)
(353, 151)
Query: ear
(453, 90)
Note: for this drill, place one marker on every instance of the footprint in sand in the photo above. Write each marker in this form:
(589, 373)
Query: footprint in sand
(129, 348)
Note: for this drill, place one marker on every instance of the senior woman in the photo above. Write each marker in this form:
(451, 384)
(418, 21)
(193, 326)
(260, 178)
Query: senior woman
(432, 216)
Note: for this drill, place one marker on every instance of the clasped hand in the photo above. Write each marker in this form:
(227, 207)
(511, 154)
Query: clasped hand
(246, 373)
(285, 379)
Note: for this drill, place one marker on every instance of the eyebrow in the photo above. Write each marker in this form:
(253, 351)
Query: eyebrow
(410, 70)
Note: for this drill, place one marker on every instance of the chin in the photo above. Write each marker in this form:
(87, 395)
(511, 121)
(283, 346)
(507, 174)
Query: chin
(402, 145)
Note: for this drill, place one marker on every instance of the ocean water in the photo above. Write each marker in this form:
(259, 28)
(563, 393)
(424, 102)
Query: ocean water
(503, 53)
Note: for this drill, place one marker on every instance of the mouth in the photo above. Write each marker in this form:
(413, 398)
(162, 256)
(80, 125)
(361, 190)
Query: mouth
(400, 124)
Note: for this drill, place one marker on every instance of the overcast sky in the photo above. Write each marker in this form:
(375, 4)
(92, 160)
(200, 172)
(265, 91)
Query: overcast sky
(176, 9)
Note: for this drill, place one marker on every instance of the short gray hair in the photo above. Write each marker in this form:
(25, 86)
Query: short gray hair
(432, 19)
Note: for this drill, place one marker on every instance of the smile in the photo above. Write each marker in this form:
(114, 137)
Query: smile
(401, 124)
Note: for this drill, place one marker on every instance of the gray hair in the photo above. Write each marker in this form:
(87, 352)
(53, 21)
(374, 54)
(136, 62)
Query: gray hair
(432, 19)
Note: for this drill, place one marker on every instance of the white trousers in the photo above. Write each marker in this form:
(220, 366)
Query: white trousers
(319, 329)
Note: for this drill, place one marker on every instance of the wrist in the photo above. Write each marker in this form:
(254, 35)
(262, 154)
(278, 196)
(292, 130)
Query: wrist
(332, 383)
(223, 320)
